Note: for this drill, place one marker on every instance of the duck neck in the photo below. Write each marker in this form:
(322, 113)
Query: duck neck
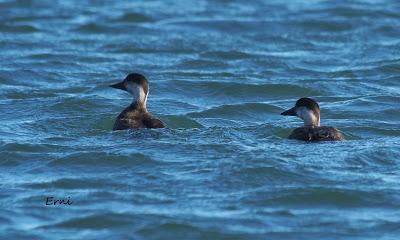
(139, 97)
(310, 118)
(139, 105)
(311, 122)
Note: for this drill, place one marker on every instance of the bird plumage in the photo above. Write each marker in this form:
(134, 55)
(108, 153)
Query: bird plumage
(308, 110)
(324, 133)
(136, 114)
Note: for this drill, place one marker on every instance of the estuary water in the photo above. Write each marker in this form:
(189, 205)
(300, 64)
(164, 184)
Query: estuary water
(220, 73)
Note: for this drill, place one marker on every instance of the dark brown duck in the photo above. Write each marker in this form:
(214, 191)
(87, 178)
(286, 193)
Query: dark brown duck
(136, 114)
(308, 110)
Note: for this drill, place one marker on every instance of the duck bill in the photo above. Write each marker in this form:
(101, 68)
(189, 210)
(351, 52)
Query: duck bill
(290, 112)
(119, 85)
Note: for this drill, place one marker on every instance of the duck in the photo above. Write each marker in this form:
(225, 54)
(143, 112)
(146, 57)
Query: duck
(136, 114)
(308, 110)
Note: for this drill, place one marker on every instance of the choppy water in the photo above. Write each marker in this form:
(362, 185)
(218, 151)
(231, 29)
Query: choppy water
(220, 73)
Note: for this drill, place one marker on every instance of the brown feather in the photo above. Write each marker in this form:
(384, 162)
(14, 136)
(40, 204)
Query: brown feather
(134, 117)
(324, 133)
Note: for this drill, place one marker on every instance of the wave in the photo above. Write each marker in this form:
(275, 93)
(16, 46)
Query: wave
(133, 17)
(243, 111)
(18, 28)
(221, 90)
(106, 158)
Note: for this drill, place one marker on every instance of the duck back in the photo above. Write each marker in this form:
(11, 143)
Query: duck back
(324, 133)
(136, 118)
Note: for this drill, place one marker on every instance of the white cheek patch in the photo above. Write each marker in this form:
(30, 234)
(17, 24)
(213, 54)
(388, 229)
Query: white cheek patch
(137, 93)
(307, 115)
(145, 95)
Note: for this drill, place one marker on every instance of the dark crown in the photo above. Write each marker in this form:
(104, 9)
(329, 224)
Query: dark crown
(136, 77)
(139, 79)
(308, 103)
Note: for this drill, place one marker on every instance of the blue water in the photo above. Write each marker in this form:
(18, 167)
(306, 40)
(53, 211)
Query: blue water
(220, 73)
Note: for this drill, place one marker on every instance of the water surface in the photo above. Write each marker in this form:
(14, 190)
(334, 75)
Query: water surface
(220, 73)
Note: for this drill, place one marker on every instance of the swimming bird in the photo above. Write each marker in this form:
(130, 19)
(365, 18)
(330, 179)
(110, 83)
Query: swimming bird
(136, 114)
(308, 110)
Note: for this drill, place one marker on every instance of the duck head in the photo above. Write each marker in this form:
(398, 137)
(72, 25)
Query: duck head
(306, 109)
(137, 85)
